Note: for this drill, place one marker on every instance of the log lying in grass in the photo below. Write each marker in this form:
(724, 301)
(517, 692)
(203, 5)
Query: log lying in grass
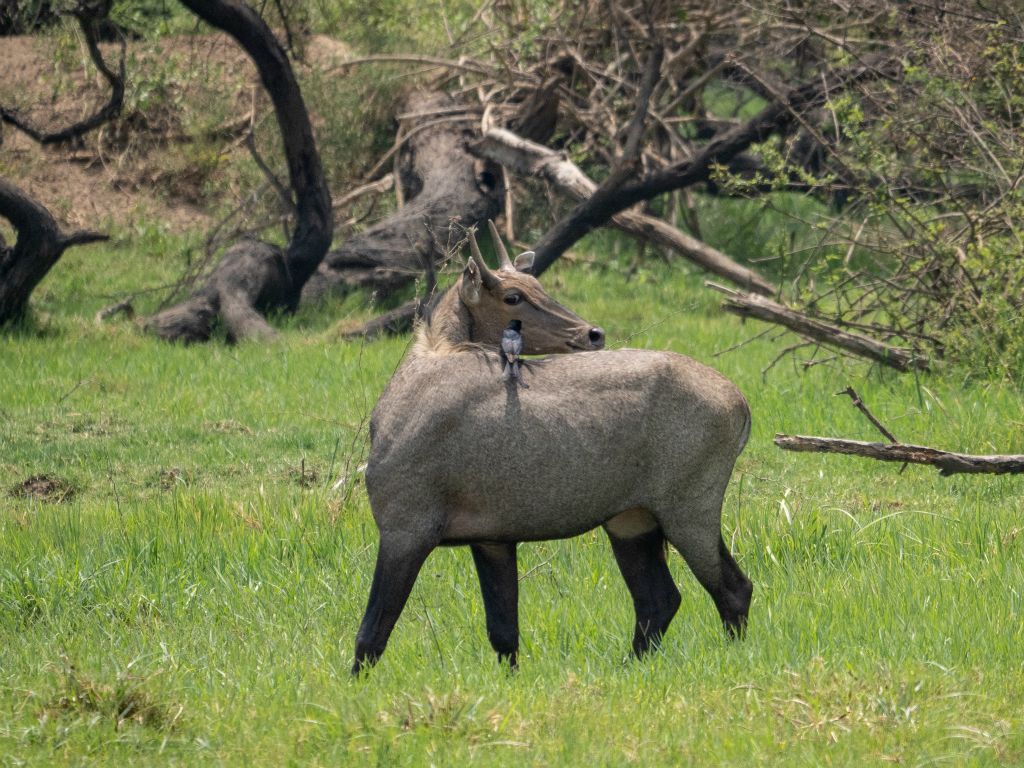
(762, 308)
(946, 462)
(525, 157)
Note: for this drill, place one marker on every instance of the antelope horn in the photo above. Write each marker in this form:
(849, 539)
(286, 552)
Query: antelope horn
(490, 280)
(499, 246)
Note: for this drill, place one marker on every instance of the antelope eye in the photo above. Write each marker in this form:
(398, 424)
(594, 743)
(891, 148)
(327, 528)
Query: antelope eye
(513, 299)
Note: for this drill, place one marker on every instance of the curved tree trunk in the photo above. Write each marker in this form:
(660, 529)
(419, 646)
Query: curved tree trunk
(254, 278)
(445, 188)
(40, 244)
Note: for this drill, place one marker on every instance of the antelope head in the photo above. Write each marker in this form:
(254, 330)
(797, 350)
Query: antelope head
(494, 298)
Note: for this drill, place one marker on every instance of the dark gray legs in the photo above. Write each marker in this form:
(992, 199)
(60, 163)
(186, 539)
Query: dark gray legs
(398, 563)
(641, 560)
(732, 598)
(499, 584)
(655, 597)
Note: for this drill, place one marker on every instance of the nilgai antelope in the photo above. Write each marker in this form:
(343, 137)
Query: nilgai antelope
(640, 442)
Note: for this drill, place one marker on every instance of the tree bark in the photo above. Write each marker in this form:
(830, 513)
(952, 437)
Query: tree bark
(445, 189)
(762, 308)
(946, 462)
(39, 245)
(524, 157)
(254, 278)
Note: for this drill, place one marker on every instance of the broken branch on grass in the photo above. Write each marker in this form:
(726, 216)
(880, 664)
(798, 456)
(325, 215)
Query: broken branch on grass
(947, 462)
(763, 308)
(398, 320)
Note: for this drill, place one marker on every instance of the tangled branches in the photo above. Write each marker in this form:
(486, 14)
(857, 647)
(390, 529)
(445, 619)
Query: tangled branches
(901, 123)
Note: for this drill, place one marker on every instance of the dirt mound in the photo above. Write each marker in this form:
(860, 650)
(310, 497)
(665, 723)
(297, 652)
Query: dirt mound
(44, 488)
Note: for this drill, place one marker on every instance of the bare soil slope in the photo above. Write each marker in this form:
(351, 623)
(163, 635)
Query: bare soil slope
(189, 102)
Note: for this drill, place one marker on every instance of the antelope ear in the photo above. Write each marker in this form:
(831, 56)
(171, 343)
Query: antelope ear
(524, 261)
(472, 282)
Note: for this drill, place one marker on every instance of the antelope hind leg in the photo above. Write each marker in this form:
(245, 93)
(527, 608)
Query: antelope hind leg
(399, 560)
(709, 559)
(499, 585)
(738, 589)
(641, 560)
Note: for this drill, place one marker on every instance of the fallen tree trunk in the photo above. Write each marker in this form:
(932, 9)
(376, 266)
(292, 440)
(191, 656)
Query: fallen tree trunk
(762, 308)
(948, 463)
(445, 189)
(529, 158)
(391, 323)
(39, 245)
(253, 277)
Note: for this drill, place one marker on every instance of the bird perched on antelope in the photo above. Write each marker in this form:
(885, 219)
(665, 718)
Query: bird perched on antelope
(511, 349)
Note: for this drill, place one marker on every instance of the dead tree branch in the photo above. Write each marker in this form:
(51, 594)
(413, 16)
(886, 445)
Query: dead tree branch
(774, 118)
(862, 407)
(391, 323)
(946, 462)
(527, 158)
(762, 308)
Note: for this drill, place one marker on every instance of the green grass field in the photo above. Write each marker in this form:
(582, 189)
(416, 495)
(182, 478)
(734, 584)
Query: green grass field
(193, 598)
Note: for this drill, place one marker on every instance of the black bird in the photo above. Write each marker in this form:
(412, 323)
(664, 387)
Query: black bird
(511, 349)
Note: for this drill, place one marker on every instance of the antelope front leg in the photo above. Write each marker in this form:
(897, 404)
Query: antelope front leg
(656, 599)
(499, 584)
(399, 560)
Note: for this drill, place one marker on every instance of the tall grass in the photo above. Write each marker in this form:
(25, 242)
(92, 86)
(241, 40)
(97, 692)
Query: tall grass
(195, 600)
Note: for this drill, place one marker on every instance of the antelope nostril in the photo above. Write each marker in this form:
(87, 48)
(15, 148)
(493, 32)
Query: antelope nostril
(596, 337)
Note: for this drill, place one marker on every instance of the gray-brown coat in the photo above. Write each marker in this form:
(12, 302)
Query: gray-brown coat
(641, 442)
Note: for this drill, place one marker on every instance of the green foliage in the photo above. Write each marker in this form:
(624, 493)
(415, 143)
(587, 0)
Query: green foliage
(998, 86)
(151, 18)
(355, 119)
(987, 334)
(19, 17)
(388, 25)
